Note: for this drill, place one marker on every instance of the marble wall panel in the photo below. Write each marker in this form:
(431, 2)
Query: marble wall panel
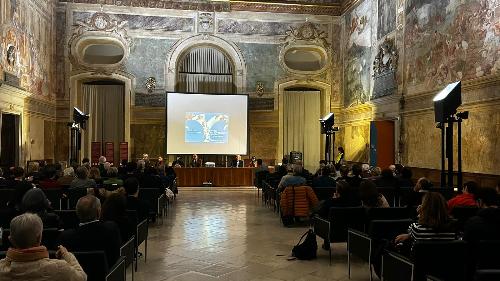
(147, 138)
(49, 131)
(61, 136)
(263, 141)
(356, 139)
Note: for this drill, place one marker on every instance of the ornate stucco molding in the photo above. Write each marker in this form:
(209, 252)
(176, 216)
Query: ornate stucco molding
(162, 4)
(292, 8)
(100, 28)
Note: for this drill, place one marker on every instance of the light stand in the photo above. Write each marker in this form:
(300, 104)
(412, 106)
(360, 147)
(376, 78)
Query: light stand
(446, 103)
(328, 130)
(79, 122)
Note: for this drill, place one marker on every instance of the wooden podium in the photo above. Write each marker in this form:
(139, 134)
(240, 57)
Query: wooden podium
(218, 176)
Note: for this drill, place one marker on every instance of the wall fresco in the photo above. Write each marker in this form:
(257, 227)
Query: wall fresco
(357, 57)
(451, 40)
(386, 17)
(26, 45)
(259, 27)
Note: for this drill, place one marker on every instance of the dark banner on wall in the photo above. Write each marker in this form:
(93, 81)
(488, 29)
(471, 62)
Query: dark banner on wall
(123, 151)
(109, 151)
(95, 152)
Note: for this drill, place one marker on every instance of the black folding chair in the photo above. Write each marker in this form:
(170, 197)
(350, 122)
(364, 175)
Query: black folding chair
(54, 196)
(73, 195)
(393, 213)
(128, 251)
(142, 237)
(487, 275)
(69, 218)
(443, 259)
(322, 229)
(151, 195)
(117, 272)
(462, 214)
(94, 263)
(364, 244)
(324, 193)
(5, 196)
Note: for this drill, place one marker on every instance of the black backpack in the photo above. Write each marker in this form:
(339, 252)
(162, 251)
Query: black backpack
(308, 248)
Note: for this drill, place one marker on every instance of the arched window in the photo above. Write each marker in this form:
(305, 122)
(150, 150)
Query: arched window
(205, 70)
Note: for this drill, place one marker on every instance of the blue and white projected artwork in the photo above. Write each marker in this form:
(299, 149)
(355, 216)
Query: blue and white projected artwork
(206, 127)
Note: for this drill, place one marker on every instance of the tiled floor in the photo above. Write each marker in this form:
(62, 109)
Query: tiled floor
(229, 235)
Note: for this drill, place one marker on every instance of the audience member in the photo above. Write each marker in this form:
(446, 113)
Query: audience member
(21, 186)
(365, 171)
(92, 234)
(27, 260)
(115, 209)
(355, 179)
(404, 180)
(151, 179)
(102, 169)
(95, 174)
(339, 159)
(113, 178)
(178, 162)
(376, 173)
(370, 197)
(297, 201)
(50, 178)
(3, 181)
(67, 178)
(344, 197)
(322, 163)
(35, 201)
(344, 173)
(260, 166)
(82, 180)
(292, 178)
(283, 168)
(386, 179)
(33, 172)
(131, 186)
(486, 224)
(433, 222)
(86, 163)
(324, 178)
(466, 199)
(414, 198)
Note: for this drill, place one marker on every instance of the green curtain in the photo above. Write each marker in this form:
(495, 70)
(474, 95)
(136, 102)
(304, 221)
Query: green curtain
(301, 130)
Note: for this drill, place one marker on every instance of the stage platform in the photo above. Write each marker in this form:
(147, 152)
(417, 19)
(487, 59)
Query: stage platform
(219, 177)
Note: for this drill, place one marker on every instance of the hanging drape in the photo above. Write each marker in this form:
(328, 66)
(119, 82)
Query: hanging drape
(105, 104)
(301, 129)
(205, 70)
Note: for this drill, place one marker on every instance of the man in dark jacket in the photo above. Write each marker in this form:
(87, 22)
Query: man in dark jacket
(131, 186)
(92, 234)
(486, 224)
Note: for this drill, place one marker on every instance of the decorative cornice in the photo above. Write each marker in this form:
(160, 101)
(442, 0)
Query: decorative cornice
(348, 4)
(161, 4)
(291, 8)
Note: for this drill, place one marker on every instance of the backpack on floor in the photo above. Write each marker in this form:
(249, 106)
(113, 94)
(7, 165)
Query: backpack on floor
(308, 248)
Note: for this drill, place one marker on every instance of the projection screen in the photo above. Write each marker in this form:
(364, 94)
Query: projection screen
(207, 124)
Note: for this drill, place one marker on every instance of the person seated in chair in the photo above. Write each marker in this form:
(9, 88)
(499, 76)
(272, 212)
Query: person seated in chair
(113, 178)
(433, 223)
(486, 224)
(292, 178)
(386, 179)
(35, 201)
(131, 186)
(29, 261)
(370, 197)
(467, 198)
(324, 178)
(82, 180)
(237, 162)
(93, 234)
(195, 161)
(178, 162)
(50, 178)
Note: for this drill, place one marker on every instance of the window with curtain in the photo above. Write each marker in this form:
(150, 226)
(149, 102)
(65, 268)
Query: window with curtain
(205, 70)
(301, 129)
(105, 105)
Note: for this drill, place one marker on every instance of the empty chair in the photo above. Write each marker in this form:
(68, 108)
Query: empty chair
(443, 259)
(142, 237)
(55, 197)
(128, 251)
(151, 195)
(342, 218)
(117, 272)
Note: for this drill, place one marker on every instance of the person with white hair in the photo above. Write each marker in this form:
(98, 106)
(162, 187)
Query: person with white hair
(29, 261)
(102, 169)
(68, 177)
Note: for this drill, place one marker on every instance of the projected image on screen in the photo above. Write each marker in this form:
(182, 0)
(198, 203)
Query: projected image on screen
(206, 127)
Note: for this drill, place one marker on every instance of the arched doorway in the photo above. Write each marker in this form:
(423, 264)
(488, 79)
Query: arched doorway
(205, 69)
(107, 98)
(301, 103)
